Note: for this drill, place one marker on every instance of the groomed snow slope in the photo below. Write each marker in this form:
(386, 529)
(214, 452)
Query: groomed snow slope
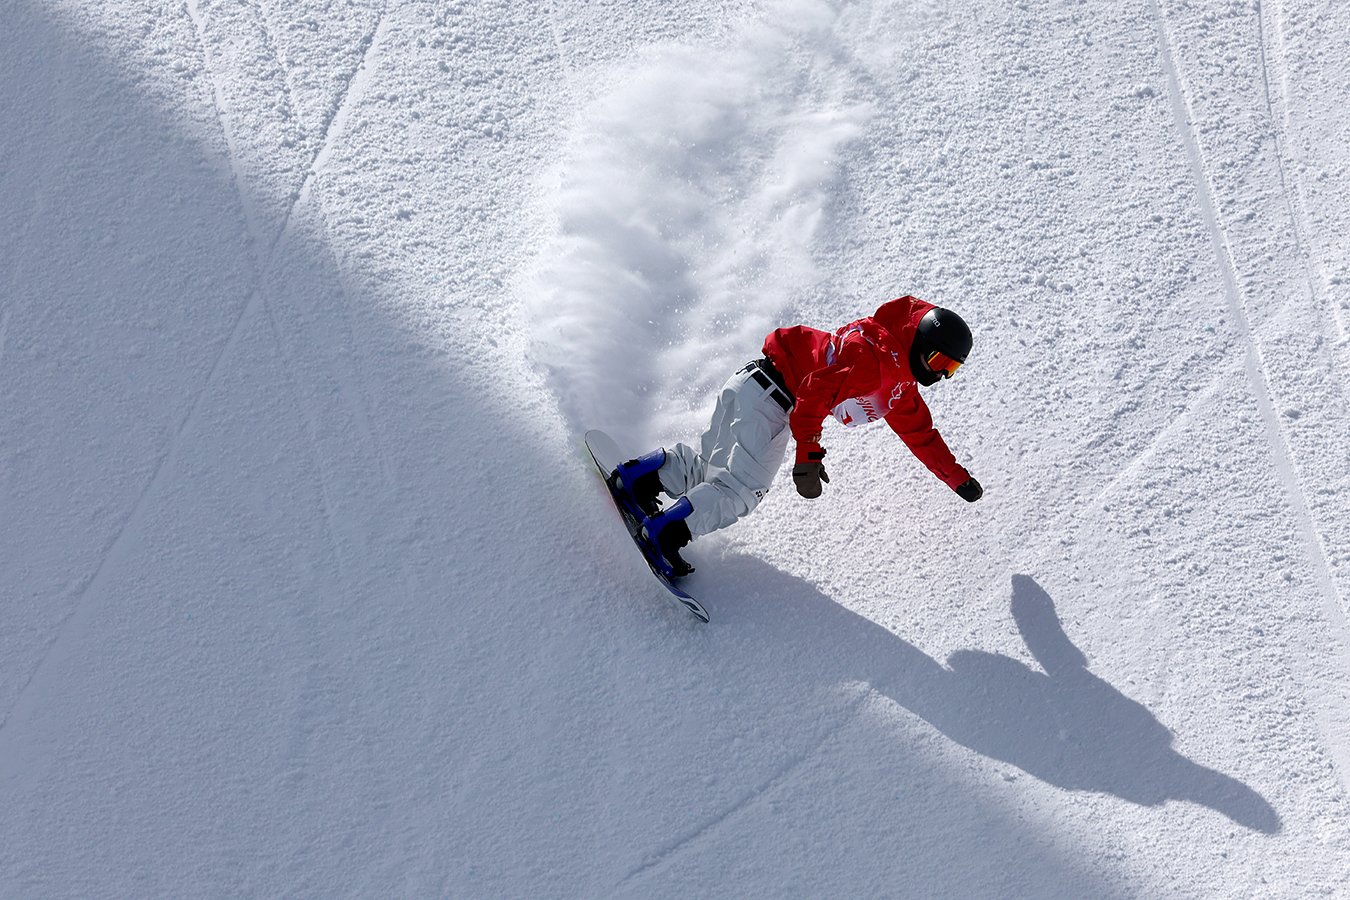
(307, 589)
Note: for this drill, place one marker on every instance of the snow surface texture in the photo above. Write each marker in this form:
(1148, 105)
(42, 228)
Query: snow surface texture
(307, 586)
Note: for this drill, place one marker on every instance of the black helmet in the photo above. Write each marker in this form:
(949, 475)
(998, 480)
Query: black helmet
(941, 333)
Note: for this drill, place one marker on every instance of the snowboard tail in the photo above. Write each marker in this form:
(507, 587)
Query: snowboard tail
(607, 456)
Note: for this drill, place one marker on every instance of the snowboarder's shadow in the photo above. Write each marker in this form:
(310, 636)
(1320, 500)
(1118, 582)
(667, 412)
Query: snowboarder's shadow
(1063, 724)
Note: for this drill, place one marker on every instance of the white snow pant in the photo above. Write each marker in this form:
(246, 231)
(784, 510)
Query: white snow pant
(737, 459)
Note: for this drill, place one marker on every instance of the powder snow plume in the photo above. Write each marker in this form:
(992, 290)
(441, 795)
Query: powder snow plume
(688, 203)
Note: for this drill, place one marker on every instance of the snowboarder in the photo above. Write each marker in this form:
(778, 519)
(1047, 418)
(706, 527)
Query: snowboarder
(867, 370)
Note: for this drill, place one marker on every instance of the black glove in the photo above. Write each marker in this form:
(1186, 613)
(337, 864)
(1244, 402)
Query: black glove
(970, 490)
(808, 475)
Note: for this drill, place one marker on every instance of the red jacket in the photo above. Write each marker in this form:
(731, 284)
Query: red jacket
(860, 374)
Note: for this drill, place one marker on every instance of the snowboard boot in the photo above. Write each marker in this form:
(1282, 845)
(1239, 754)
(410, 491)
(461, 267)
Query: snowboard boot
(640, 479)
(670, 534)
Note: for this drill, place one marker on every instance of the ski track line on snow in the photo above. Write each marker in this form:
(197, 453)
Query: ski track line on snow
(252, 219)
(263, 265)
(335, 125)
(263, 260)
(1294, 205)
(1258, 378)
(1293, 201)
(274, 50)
(367, 49)
(352, 92)
(1174, 423)
(782, 774)
(119, 546)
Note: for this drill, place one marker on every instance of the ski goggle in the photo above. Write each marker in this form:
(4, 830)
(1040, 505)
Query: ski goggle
(941, 364)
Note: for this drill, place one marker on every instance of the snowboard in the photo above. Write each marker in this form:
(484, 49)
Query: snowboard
(607, 456)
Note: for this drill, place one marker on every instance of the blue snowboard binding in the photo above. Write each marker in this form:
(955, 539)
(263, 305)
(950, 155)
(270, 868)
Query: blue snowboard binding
(639, 479)
(663, 529)
(658, 533)
(669, 533)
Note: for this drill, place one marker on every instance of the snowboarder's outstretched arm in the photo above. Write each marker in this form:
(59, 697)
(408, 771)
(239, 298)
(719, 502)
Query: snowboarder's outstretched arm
(911, 419)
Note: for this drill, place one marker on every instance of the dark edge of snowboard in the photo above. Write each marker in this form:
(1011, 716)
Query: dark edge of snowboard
(632, 520)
